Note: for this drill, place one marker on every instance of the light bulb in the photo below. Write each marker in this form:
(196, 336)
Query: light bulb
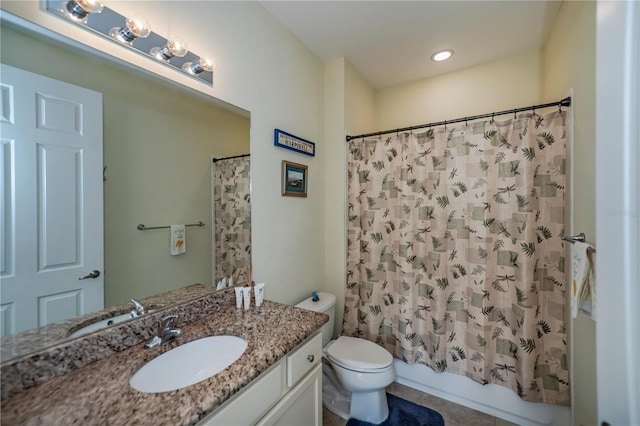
(175, 47)
(202, 64)
(138, 26)
(79, 9)
(135, 27)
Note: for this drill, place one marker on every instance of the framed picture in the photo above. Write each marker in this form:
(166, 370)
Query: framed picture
(294, 179)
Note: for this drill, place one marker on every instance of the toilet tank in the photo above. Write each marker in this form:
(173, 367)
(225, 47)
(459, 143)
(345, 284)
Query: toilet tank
(327, 305)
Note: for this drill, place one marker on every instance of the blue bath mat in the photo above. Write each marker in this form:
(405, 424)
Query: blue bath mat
(405, 413)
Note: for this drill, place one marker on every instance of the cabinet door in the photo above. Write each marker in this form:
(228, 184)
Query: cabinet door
(252, 401)
(302, 406)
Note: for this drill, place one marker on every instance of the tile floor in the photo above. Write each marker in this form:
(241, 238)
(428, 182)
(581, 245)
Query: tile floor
(453, 414)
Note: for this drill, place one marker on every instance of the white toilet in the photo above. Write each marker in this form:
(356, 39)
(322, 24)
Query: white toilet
(355, 372)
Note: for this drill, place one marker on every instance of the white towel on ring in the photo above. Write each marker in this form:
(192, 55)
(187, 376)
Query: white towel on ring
(178, 240)
(583, 288)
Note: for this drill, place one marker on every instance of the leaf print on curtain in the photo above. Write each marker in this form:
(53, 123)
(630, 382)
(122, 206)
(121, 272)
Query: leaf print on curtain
(232, 204)
(453, 252)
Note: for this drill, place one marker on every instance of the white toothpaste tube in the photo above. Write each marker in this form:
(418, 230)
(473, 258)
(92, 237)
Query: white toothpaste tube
(259, 294)
(246, 293)
(238, 297)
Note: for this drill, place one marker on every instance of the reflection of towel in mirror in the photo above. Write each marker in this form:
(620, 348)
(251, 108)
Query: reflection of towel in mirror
(178, 240)
(583, 286)
(221, 284)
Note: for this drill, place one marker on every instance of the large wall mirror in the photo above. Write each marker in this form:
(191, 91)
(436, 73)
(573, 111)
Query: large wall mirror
(158, 144)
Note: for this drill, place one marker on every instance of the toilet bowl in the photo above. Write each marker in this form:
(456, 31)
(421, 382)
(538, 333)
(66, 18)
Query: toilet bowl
(355, 371)
(363, 370)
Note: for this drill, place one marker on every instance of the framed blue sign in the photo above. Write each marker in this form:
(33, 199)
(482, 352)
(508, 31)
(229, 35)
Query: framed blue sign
(294, 143)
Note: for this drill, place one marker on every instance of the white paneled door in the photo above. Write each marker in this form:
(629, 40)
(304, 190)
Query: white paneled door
(51, 224)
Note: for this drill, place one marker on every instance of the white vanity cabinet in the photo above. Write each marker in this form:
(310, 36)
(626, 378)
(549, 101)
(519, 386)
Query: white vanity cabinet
(288, 393)
(302, 406)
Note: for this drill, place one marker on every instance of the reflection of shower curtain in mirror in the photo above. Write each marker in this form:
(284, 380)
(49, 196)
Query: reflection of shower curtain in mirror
(232, 201)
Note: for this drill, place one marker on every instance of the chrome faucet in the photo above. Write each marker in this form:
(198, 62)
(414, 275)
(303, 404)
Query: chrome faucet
(166, 332)
(138, 309)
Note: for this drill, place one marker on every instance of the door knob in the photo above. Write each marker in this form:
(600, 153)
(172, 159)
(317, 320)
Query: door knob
(93, 274)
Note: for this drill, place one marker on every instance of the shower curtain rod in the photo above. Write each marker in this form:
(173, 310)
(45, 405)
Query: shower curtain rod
(229, 158)
(564, 102)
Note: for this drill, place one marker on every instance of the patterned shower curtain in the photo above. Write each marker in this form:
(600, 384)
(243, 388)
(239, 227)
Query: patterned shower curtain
(232, 201)
(454, 253)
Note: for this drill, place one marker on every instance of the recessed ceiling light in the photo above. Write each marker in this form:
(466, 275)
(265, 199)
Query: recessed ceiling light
(442, 55)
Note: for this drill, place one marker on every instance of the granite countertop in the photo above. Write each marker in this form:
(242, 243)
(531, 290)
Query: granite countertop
(99, 392)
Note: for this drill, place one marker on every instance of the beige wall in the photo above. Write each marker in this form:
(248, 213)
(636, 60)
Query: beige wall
(569, 63)
(157, 145)
(359, 100)
(335, 208)
(506, 83)
(349, 107)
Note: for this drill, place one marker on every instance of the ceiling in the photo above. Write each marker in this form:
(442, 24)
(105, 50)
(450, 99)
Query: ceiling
(391, 42)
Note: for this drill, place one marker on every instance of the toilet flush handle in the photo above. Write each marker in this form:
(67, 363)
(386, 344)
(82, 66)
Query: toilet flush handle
(310, 358)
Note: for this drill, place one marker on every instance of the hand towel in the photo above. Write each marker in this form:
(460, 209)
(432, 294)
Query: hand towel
(583, 286)
(178, 240)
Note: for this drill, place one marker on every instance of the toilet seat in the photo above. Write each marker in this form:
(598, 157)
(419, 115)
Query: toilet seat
(358, 354)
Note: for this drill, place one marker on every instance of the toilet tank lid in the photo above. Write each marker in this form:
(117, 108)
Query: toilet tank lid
(325, 302)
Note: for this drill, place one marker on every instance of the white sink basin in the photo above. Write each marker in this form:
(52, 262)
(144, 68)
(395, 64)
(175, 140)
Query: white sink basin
(188, 364)
(100, 324)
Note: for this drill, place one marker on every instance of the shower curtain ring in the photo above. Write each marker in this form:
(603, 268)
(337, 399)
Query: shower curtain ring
(514, 114)
(465, 122)
(560, 106)
(493, 114)
(445, 125)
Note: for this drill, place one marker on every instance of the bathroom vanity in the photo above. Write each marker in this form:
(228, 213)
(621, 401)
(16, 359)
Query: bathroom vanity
(277, 380)
(289, 393)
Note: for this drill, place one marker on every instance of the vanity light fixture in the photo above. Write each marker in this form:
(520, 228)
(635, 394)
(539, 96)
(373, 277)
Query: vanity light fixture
(442, 55)
(135, 27)
(202, 64)
(175, 47)
(79, 9)
(133, 32)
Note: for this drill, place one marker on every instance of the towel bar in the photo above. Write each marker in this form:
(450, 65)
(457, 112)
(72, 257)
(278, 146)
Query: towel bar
(142, 227)
(580, 237)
